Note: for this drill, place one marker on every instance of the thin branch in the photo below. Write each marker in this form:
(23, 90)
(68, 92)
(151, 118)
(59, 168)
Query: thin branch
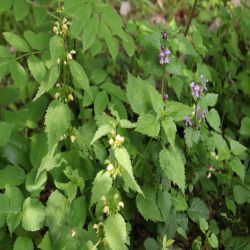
(190, 17)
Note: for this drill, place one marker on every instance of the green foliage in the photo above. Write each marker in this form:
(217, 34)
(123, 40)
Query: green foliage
(107, 141)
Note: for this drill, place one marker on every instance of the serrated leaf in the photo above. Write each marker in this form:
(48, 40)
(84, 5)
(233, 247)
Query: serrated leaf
(12, 176)
(147, 205)
(18, 74)
(197, 210)
(111, 41)
(192, 136)
(33, 215)
(173, 166)
(245, 125)
(23, 243)
(238, 168)
(101, 102)
(5, 132)
(213, 241)
(177, 111)
(147, 124)
(165, 204)
(16, 41)
(37, 68)
(179, 202)
(57, 210)
(15, 204)
(80, 77)
(101, 131)
(50, 80)
(115, 232)
(142, 96)
(211, 99)
(122, 156)
(56, 47)
(129, 45)
(221, 145)
(169, 129)
(241, 194)
(89, 32)
(203, 225)
(13, 220)
(69, 189)
(101, 186)
(236, 147)
(213, 119)
(57, 122)
(46, 243)
(126, 123)
(36, 183)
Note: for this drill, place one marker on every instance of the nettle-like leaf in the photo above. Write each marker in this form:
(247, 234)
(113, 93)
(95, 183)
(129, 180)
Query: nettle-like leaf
(101, 186)
(23, 243)
(236, 147)
(221, 146)
(33, 215)
(197, 210)
(37, 68)
(213, 119)
(147, 124)
(101, 131)
(57, 121)
(173, 166)
(5, 132)
(16, 42)
(169, 129)
(177, 111)
(115, 232)
(192, 136)
(56, 47)
(123, 158)
(147, 205)
(142, 96)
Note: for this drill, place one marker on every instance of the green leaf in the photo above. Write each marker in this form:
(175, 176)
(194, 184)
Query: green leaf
(89, 32)
(56, 47)
(122, 156)
(169, 129)
(151, 244)
(241, 194)
(114, 90)
(35, 184)
(37, 68)
(12, 176)
(173, 166)
(57, 210)
(211, 99)
(115, 232)
(185, 46)
(213, 241)
(49, 82)
(101, 131)
(147, 205)
(13, 220)
(101, 186)
(147, 124)
(245, 125)
(80, 77)
(197, 210)
(192, 136)
(70, 189)
(164, 203)
(203, 225)
(16, 41)
(21, 9)
(177, 111)
(18, 74)
(111, 41)
(238, 168)
(213, 119)
(57, 121)
(129, 45)
(142, 96)
(179, 202)
(221, 145)
(23, 243)
(15, 204)
(236, 147)
(5, 132)
(37, 41)
(101, 102)
(5, 5)
(46, 243)
(78, 212)
(8, 95)
(33, 215)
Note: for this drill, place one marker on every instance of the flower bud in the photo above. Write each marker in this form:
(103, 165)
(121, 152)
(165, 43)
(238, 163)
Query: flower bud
(110, 167)
(120, 204)
(72, 138)
(111, 141)
(70, 97)
(106, 210)
(57, 95)
(73, 233)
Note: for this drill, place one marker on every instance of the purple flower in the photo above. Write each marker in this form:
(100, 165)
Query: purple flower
(188, 121)
(164, 55)
(196, 90)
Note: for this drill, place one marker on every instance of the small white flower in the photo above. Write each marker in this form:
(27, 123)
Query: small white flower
(110, 167)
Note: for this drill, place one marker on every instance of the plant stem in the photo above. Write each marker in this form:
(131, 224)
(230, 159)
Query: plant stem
(190, 17)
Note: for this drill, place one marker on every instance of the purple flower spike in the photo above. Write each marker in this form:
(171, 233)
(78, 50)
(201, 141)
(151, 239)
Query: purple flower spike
(165, 96)
(164, 36)
(188, 121)
(164, 55)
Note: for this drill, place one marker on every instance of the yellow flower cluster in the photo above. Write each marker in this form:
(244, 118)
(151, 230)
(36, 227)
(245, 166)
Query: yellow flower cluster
(61, 28)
